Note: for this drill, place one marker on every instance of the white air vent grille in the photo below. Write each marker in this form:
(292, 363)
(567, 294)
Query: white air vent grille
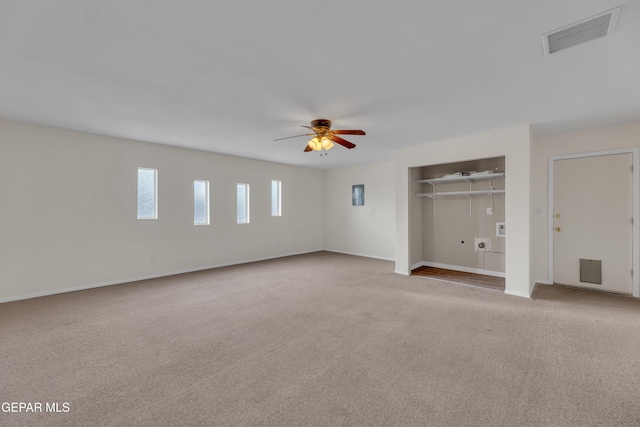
(582, 31)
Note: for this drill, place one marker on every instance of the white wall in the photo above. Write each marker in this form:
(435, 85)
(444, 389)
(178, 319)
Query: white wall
(514, 145)
(602, 139)
(68, 204)
(367, 230)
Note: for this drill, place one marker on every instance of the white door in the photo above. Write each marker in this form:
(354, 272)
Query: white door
(592, 228)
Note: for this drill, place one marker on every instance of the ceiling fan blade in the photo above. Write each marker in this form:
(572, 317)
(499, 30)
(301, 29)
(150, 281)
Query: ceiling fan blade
(308, 127)
(343, 142)
(349, 132)
(307, 149)
(295, 136)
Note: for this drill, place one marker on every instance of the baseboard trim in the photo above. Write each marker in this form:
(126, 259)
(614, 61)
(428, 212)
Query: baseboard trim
(458, 268)
(518, 294)
(416, 265)
(146, 277)
(361, 255)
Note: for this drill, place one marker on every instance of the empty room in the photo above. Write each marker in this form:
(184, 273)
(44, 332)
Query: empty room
(319, 213)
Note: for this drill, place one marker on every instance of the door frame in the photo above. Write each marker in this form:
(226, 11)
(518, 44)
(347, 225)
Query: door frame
(635, 203)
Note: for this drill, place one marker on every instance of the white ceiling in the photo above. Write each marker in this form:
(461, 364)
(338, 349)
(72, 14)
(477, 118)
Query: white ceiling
(229, 76)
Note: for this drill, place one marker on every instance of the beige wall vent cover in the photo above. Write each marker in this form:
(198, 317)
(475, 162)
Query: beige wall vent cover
(579, 32)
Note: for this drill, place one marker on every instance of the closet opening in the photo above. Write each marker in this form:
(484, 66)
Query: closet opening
(458, 224)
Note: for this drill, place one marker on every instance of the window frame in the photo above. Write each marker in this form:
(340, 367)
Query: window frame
(247, 201)
(155, 193)
(279, 197)
(207, 202)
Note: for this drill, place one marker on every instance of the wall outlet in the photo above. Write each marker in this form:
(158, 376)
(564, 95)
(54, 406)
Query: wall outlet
(489, 211)
(153, 260)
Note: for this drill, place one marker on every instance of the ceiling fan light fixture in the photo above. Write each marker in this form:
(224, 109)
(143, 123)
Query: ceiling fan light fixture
(324, 137)
(314, 143)
(326, 143)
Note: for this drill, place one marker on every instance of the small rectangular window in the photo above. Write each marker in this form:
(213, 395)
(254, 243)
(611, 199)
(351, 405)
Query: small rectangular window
(147, 193)
(243, 204)
(276, 198)
(200, 202)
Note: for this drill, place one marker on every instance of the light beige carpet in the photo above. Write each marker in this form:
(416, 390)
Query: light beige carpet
(321, 339)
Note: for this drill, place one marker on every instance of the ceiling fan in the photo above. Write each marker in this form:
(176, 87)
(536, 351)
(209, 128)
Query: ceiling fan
(324, 137)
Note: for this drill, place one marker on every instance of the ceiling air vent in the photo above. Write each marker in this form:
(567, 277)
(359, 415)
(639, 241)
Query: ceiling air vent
(588, 29)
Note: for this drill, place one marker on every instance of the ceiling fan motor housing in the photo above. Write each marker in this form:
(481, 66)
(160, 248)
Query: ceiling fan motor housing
(321, 123)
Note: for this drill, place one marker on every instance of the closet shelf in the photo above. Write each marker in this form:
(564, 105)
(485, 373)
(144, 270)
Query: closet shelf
(467, 178)
(469, 193)
(459, 193)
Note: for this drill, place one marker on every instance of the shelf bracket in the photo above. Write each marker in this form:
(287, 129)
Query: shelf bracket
(470, 195)
(433, 199)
